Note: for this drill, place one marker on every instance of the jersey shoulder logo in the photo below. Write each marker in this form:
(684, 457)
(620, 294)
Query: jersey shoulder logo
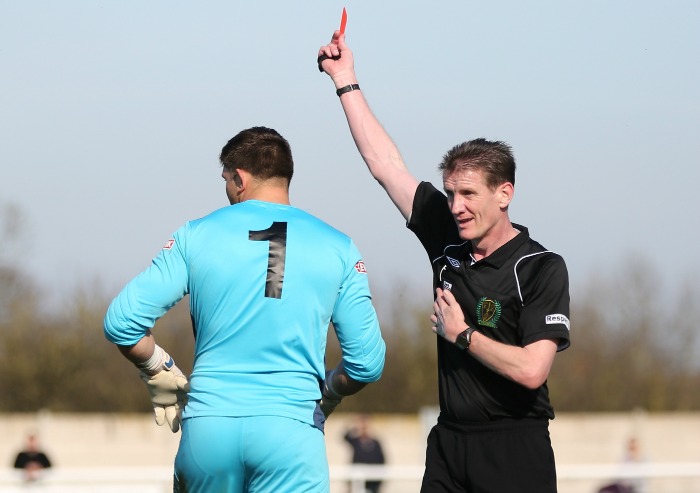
(169, 244)
(360, 267)
(488, 312)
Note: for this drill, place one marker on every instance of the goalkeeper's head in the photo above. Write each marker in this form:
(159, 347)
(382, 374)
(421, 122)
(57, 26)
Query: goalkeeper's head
(258, 157)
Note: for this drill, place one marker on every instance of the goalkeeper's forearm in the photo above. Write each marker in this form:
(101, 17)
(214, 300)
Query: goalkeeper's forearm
(140, 352)
(340, 384)
(337, 384)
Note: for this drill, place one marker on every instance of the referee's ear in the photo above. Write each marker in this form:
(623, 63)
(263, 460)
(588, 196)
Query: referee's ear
(505, 194)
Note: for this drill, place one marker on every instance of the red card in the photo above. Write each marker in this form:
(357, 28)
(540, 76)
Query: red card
(343, 21)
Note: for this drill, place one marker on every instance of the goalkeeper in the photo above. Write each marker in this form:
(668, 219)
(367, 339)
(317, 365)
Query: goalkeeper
(264, 280)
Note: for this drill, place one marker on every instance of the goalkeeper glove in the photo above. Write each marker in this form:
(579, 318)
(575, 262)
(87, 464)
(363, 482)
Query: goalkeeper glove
(167, 386)
(329, 397)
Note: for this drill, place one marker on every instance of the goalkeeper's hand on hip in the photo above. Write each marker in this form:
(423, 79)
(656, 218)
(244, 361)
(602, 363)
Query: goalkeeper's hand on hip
(329, 397)
(167, 386)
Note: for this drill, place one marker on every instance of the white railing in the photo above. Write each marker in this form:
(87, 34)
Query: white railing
(356, 475)
(91, 480)
(159, 479)
(646, 470)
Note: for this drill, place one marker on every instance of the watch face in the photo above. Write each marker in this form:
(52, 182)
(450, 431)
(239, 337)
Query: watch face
(462, 342)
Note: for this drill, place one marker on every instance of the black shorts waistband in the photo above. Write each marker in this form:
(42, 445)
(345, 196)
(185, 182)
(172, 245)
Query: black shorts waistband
(494, 425)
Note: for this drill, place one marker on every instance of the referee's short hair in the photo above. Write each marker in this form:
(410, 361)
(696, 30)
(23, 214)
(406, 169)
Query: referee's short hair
(494, 158)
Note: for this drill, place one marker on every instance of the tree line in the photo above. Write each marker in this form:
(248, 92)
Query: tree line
(629, 350)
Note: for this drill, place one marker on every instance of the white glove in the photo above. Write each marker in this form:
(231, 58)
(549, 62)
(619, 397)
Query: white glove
(167, 386)
(329, 397)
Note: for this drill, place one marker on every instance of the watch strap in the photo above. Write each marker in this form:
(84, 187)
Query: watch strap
(464, 339)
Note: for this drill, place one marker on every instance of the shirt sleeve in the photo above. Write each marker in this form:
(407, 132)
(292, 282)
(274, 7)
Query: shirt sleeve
(149, 295)
(545, 312)
(431, 220)
(356, 323)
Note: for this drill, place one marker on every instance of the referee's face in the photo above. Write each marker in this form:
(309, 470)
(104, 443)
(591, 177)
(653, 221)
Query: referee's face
(475, 207)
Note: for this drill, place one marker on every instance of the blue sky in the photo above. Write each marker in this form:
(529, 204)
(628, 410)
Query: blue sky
(113, 115)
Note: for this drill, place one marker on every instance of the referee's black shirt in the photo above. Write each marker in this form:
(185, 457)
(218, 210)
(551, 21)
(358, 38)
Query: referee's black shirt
(517, 295)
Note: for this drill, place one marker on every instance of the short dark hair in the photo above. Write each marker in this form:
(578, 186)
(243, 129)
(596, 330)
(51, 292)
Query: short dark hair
(494, 158)
(260, 151)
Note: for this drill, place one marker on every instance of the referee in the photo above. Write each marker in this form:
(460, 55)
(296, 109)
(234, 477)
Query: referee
(501, 305)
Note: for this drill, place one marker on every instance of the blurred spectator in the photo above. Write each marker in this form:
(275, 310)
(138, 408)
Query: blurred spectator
(617, 487)
(32, 459)
(365, 449)
(632, 457)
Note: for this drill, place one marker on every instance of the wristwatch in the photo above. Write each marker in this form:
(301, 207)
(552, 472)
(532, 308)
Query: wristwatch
(464, 339)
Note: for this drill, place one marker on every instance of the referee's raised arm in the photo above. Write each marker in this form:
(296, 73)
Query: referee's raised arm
(376, 147)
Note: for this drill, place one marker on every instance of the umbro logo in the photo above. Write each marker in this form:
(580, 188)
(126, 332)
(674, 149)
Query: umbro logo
(453, 262)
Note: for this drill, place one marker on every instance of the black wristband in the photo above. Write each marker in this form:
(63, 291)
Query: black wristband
(351, 87)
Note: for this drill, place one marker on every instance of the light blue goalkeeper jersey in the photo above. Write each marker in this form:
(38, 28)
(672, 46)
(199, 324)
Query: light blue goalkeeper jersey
(265, 280)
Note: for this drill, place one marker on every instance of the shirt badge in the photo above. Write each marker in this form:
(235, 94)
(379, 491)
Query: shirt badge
(488, 312)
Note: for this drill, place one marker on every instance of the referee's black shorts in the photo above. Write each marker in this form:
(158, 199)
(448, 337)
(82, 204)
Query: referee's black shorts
(505, 456)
